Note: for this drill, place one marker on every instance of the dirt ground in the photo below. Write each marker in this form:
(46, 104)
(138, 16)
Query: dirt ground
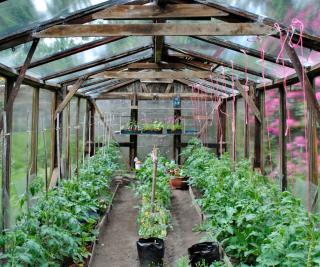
(117, 240)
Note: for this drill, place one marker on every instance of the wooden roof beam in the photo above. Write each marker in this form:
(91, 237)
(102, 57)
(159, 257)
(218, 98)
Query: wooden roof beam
(95, 63)
(154, 29)
(110, 88)
(239, 48)
(73, 50)
(219, 61)
(177, 11)
(156, 66)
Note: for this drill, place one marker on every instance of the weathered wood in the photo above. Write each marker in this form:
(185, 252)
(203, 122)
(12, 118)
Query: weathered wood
(144, 88)
(133, 149)
(95, 63)
(258, 161)
(70, 94)
(16, 88)
(158, 48)
(148, 96)
(218, 61)
(168, 89)
(67, 144)
(72, 51)
(240, 48)
(177, 137)
(248, 100)
(107, 89)
(34, 131)
(155, 29)
(155, 74)
(156, 80)
(312, 102)
(283, 139)
(156, 66)
(155, 12)
(53, 145)
(221, 139)
(6, 156)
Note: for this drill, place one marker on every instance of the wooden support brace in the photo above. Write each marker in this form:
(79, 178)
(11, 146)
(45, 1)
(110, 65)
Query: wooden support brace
(70, 94)
(283, 139)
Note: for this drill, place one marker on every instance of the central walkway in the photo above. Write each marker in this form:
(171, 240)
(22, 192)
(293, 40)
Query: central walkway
(117, 240)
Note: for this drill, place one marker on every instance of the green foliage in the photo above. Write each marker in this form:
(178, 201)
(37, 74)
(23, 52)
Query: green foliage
(182, 262)
(174, 126)
(62, 222)
(153, 224)
(153, 126)
(255, 222)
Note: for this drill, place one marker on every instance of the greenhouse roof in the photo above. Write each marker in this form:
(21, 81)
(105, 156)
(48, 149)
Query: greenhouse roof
(64, 60)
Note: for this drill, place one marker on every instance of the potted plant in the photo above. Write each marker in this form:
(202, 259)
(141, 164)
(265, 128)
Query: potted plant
(174, 128)
(131, 128)
(177, 181)
(155, 127)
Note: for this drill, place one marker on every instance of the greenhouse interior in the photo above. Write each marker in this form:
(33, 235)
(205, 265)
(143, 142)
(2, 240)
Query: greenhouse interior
(159, 133)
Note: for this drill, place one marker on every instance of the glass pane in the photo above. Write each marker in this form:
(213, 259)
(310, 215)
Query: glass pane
(240, 123)
(271, 134)
(20, 154)
(82, 128)
(73, 133)
(44, 134)
(2, 89)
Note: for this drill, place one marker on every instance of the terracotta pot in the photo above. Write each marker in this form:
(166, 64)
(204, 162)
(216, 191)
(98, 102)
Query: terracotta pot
(179, 183)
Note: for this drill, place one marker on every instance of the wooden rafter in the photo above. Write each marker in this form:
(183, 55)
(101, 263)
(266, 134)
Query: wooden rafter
(70, 94)
(20, 78)
(218, 61)
(73, 51)
(156, 12)
(148, 96)
(239, 48)
(156, 66)
(312, 102)
(154, 74)
(154, 29)
(93, 82)
(106, 88)
(95, 63)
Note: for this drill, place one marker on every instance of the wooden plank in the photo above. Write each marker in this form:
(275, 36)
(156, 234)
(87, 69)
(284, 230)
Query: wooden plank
(158, 48)
(34, 131)
(156, 66)
(67, 144)
(105, 89)
(68, 97)
(168, 88)
(148, 96)
(248, 100)
(155, 29)
(155, 12)
(156, 80)
(144, 88)
(154, 74)
(283, 139)
(220, 62)
(16, 88)
(72, 51)
(258, 161)
(133, 149)
(95, 63)
(312, 102)
(240, 48)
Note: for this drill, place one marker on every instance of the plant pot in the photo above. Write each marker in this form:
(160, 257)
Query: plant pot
(169, 131)
(127, 131)
(205, 252)
(152, 131)
(150, 251)
(179, 183)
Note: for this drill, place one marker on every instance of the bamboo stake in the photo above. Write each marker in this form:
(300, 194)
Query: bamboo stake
(45, 155)
(154, 177)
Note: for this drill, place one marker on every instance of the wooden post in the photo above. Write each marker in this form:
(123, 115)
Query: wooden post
(68, 154)
(283, 139)
(234, 134)
(258, 138)
(34, 132)
(53, 147)
(6, 157)
(133, 137)
(154, 177)
(91, 124)
(246, 130)
(177, 137)
(77, 128)
(221, 139)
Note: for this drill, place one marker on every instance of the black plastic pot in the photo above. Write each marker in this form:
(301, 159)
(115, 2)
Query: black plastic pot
(126, 131)
(152, 131)
(205, 252)
(150, 252)
(169, 131)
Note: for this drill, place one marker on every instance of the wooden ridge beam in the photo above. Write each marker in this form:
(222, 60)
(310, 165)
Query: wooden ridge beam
(170, 11)
(15, 90)
(239, 48)
(312, 102)
(73, 50)
(95, 63)
(218, 61)
(156, 66)
(68, 97)
(248, 100)
(154, 29)
(153, 96)
(154, 74)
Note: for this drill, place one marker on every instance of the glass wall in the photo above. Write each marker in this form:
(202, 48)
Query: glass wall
(20, 148)
(44, 134)
(240, 129)
(2, 89)
(73, 132)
